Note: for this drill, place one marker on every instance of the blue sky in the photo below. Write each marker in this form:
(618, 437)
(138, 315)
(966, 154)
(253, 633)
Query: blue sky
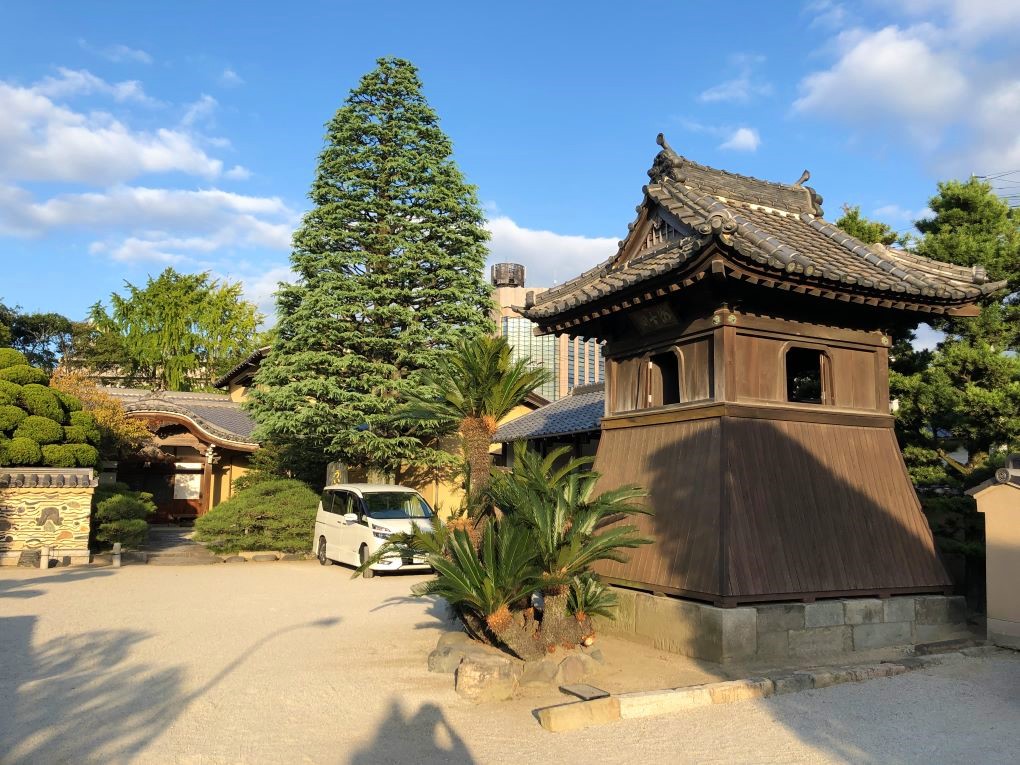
(136, 136)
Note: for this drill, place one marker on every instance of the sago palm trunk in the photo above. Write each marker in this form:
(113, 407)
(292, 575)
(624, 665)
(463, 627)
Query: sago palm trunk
(559, 627)
(477, 433)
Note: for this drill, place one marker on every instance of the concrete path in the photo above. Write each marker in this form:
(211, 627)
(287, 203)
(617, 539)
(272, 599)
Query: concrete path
(293, 662)
(174, 546)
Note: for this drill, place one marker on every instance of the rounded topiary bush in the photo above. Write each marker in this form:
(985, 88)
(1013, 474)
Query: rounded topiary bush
(23, 374)
(58, 455)
(11, 416)
(75, 434)
(272, 515)
(87, 422)
(120, 515)
(9, 392)
(40, 400)
(12, 358)
(42, 430)
(23, 451)
(85, 455)
(71, 403)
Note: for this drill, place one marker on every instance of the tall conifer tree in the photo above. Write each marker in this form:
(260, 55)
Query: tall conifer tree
(389, 265)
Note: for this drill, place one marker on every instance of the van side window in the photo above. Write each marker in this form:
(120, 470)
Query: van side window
(342, 504)
(327, 501)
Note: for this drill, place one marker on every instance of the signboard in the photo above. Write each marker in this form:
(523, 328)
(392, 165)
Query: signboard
(187, 486)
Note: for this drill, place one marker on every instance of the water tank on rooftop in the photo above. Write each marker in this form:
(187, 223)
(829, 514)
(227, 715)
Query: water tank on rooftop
(507, 275)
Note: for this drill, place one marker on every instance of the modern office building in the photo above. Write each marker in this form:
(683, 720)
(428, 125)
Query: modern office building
(570, 361)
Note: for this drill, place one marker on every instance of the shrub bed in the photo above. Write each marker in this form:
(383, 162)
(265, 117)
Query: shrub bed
(120, 514)
(272, 515)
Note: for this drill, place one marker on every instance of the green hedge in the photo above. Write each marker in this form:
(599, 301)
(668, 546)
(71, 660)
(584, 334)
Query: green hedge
(71, 403)
(21, 451)
(120, 515)
(58, 455)
(272, 515)
(87, 422)
(9, 392)
(11, 417)
(12, 358)
(40, 400)
(23, 374)
(42, 430)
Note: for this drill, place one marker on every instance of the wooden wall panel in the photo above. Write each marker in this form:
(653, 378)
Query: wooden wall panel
(854, 376)
(819, 508)
(759, 369)
(697, 368)
(678, 464)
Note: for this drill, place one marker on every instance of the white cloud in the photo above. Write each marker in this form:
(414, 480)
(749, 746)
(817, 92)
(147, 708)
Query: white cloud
(741, 88)
(260, 286)
(888, 72)
(229, 78)
(238, 173)
(970, 21)
(742, 139)
(81, 82)
(826, 14)
(550, 258)
(118, 53)
(45, 141)
(199, 110)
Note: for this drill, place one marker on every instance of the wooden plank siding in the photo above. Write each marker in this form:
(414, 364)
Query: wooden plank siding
(749, 509)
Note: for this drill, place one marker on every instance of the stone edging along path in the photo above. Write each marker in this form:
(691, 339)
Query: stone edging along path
(626, 706)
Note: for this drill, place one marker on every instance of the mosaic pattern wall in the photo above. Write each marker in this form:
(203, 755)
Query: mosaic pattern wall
(34, 518)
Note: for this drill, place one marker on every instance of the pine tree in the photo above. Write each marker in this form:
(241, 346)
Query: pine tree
(389, 264)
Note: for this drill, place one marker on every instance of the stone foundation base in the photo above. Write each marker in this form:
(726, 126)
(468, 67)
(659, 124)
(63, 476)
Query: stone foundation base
(1004, 633)
(785, 630)
(75, 557)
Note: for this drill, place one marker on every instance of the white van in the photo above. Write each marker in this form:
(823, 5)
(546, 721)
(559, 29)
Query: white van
(354, 519)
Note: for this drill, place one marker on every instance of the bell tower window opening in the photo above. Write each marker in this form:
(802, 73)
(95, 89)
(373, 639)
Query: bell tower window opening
(806, 372)
(664, 379)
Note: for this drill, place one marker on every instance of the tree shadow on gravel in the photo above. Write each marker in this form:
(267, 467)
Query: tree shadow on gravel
(438, 609)
(81, 698)
(26, 588)
(423, 737)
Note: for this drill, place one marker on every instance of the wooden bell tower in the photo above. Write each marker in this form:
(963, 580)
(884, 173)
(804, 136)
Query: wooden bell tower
(747, 390)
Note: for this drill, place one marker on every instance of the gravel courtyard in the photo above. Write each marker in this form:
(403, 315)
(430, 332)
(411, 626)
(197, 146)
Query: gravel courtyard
(291, 662)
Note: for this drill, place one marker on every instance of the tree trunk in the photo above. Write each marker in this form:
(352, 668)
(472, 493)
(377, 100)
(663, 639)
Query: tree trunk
(477, 433)
(560, 628)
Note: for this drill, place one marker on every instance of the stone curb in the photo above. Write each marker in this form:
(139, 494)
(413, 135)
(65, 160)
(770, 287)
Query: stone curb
(627, 706)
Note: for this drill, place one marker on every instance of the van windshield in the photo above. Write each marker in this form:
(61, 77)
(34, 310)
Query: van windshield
(396, 505)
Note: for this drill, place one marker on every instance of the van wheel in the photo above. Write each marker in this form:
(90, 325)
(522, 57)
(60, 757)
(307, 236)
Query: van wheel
(363, 554)
(321, 554)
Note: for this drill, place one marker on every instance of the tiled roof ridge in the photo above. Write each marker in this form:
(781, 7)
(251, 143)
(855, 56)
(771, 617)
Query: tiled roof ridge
(47, 478)
(161, 405)
(792, 197)
(257, 355)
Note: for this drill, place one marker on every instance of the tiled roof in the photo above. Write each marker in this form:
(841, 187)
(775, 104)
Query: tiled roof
(580, 412)
(213, 413)
(249, 365)
(47, 478)
(774, 228)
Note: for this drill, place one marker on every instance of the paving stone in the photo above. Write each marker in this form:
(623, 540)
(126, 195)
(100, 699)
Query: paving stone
(863, 611)
(829, 677)
(584, 691)
(740, 690)
(824, 613)
(649, 703)
(792, 682)
(581, 714)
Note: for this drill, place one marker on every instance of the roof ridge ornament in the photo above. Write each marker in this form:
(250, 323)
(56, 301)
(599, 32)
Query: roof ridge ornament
(804, 178)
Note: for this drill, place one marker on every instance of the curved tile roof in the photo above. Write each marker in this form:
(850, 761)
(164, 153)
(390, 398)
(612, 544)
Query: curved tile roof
(580, 412)
(773, 227)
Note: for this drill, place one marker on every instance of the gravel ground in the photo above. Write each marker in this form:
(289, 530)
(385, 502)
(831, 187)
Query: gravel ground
(291, 662)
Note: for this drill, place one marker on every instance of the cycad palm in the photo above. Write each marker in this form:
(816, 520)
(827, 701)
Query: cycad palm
(477, 385)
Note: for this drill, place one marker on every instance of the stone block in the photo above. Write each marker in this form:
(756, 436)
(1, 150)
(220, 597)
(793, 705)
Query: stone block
(939, 609)
(741, 690)
(481, 678)
(863, 611)
(448, 639)
(821, 641)
(868, 636)
(825, 613)
(934, 633)
(625, 621)
(571, 670)
(774, 645)
(825, 678)
(726, 634)
(669, 624)
(780, 617)
(649, 703)
(581, 714)
(540, 671)
(898, 610)
(792, 682)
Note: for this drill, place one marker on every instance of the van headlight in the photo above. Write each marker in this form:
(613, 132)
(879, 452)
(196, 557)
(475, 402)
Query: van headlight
(383, 535)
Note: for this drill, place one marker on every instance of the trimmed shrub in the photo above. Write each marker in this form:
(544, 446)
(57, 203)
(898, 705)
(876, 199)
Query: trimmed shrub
(75, 434)
(9, 391)
(11, 417)
(40, 400)
(12, 358)
(42, 430)
(272, 515)
(71, 403)
(58, 455)
(120, 515)
(23, 374)
(85, 455)
(88, 422)
(23, 451)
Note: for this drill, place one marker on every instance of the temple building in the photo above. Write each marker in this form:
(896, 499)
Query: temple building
(747, 344)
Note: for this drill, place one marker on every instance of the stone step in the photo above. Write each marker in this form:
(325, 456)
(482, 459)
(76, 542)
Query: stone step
(182, 560)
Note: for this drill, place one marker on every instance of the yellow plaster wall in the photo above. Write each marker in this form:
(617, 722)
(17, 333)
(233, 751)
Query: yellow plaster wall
(35, 518)
(1001, 505)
